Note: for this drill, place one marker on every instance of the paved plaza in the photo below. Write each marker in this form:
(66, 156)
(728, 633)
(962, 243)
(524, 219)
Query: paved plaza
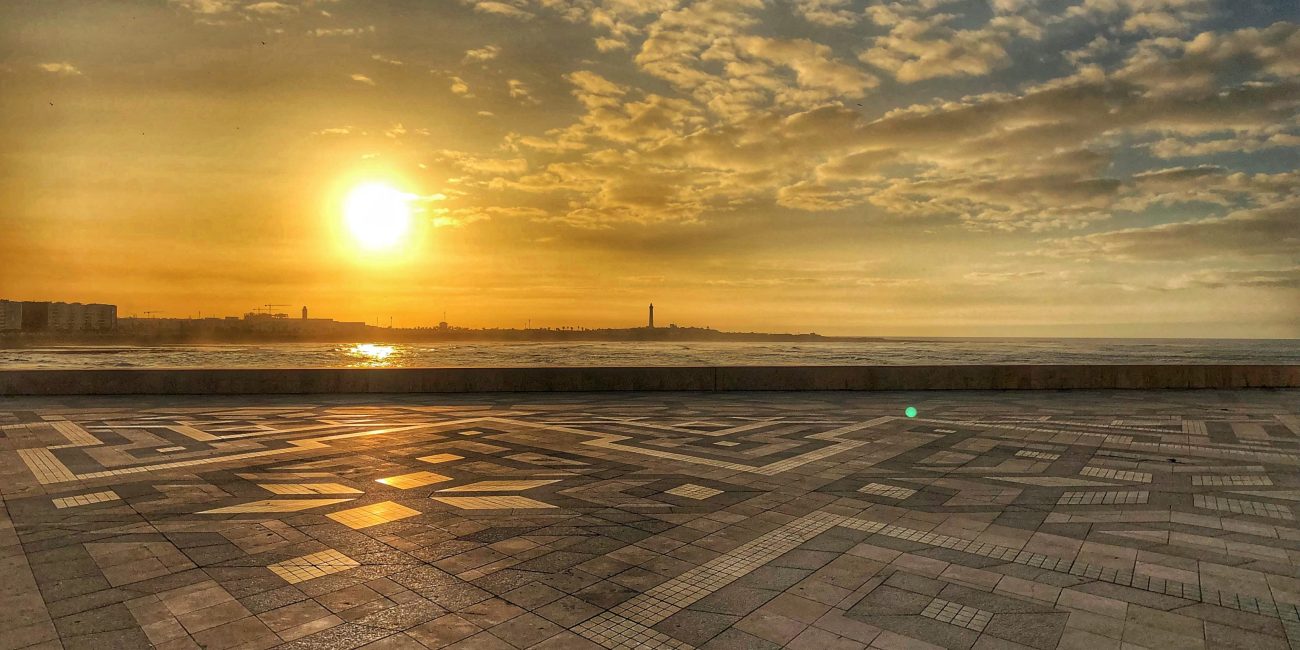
(1108, 519)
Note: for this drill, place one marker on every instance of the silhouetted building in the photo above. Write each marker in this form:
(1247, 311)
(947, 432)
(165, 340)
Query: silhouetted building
(11, 315)
(652, 316)
(304, 312)
(40, 316)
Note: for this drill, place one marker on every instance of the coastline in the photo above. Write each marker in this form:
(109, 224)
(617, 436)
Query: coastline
(247, 381)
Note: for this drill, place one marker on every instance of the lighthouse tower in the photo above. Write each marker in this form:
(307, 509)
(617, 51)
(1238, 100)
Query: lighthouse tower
(652, 316)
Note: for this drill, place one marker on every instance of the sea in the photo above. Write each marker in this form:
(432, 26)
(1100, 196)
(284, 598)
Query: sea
(887, 352)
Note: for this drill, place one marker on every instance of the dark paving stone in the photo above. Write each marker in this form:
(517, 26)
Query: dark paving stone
(1038, 630)
(733, 639)
(342, 637)
(695, 627)
(891, 601)
(401, 617)
(525, 630)
(735, 600)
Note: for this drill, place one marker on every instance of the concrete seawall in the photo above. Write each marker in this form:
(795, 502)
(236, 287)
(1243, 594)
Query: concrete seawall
(203, 381)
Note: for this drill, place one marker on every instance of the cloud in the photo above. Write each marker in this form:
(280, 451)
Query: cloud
(270, 8)
(62, 68)
(989, 278)
(501, 9)
(1164, 16)
(814, 65)
(1253, 232)
(335, 130)
(360, 78)
(1286, 278)
(1245, 142)
(1095, 48)
(815, 196)
(459, 87)
(485, 53)
(827, 13)
(1169, 66)
(342, 31)
(383, 59)
(206, 7)
(518, 90)
(925, 47)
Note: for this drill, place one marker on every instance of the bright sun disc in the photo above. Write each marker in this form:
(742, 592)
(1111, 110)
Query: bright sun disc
(378, 216)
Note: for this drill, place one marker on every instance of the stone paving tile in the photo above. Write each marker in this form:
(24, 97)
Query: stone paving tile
(1074, 519)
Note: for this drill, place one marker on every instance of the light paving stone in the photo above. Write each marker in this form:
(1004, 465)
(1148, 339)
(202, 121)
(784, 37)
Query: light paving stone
(493, 503)
(85, 499)
(885, 490)
(373, 515)
(313, 565)
(413, 480)
(692, 491)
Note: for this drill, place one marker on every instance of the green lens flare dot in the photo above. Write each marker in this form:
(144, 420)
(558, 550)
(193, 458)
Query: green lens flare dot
(910, 411)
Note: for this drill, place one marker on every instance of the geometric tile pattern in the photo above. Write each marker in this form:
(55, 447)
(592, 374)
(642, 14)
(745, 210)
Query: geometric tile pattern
(85, 499)
(1119, 475)
(272, 506)
(315, 565)
(1244, 507)
(883, 490)
(957, 614)
(308, 488)
(692, 491)
(499, 486)
(1231, 480)
(1030, 519)
(1024, 453)
(413, 480)
(492, 503)
(1103, 498)
(439, 458)
(373, 515)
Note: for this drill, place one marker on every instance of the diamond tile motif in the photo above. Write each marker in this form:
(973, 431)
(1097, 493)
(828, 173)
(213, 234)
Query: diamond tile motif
(692, 491)
(315, 565)
(493, 503)
(1238, 506)
(440, 458)
(308, 488)
(884, 490)
(1231, 480)
(1103, 498)
(1119, 475)
(1015, 519)
(372, 515)
(85, 499)
(273, 505)
(413, 480)
(1042, 455)
(500, 486)
(957, 614)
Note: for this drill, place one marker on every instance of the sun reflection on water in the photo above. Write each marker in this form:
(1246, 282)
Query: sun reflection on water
(372, 355)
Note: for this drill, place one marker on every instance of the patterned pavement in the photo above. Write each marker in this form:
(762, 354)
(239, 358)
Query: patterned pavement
(742, 520)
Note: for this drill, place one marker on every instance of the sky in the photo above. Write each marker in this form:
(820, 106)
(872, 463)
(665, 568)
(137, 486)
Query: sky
(1115, 168)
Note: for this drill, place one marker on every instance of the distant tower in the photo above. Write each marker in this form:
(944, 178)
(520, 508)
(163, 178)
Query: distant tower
(652, 316)
(304, 312)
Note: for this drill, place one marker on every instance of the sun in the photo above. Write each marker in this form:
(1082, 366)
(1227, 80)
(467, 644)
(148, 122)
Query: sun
(378, 216)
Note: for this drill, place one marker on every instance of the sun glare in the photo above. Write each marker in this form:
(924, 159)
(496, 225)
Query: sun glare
(377, 216)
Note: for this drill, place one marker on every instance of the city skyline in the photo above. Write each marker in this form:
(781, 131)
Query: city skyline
(1098, 168)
